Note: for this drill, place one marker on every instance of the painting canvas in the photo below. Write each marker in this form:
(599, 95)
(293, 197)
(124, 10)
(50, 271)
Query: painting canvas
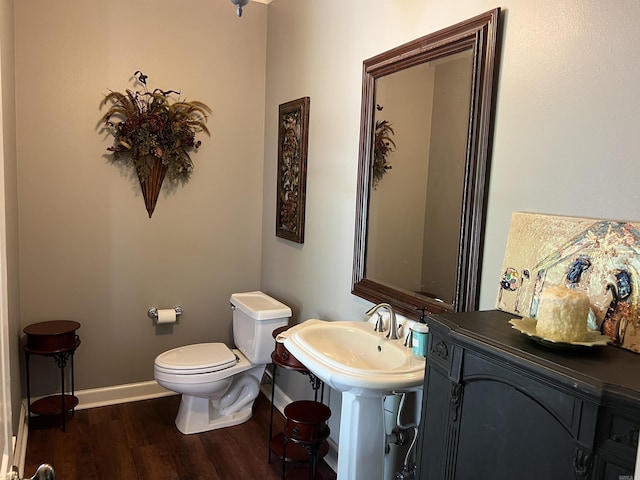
(598, 257)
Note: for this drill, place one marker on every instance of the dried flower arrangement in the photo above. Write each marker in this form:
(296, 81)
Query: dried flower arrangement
(154, 133)
(383, 145)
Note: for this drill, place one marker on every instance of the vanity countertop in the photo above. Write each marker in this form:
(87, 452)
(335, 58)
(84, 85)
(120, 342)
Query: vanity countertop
(605, 367)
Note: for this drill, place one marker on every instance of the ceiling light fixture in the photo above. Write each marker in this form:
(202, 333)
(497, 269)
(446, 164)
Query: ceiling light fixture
(239, 4)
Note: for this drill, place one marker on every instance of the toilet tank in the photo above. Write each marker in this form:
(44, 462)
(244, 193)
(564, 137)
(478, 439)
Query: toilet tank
(255, 316)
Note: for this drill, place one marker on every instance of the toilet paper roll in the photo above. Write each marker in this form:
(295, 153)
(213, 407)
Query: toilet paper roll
(168, 315)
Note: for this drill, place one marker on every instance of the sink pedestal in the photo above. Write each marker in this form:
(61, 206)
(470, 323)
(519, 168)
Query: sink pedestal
(362, 438)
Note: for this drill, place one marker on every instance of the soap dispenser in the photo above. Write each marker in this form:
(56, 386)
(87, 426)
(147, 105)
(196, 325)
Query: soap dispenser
(420, 335)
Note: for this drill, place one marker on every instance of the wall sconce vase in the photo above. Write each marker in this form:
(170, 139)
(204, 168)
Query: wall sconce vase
(152, 184)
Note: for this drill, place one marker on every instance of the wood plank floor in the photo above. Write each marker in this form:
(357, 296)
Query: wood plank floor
(139, 440)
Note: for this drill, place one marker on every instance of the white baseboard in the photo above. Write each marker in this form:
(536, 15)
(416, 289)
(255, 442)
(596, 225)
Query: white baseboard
(131, 392)
(20, 443)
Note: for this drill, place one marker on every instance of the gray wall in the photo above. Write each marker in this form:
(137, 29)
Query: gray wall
(10, 215)
(88, 251)
(565, 137)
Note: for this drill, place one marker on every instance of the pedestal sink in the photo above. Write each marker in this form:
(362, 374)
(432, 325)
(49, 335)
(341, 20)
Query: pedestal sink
(365, 366)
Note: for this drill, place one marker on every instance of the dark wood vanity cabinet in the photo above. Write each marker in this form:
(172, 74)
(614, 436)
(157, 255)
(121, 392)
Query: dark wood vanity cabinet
(498, 406)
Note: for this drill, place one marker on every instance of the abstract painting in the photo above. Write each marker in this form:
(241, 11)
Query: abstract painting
(598, 257)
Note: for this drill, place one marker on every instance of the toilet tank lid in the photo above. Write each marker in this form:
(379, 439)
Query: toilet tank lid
(260, 306)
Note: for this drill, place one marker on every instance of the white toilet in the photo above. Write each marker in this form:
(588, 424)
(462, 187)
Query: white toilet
(219, 384)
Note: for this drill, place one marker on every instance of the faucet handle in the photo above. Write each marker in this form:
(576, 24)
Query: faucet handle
(379, 324)
(408, 341)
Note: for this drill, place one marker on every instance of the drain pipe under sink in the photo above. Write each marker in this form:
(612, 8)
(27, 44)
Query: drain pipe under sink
(397, 436)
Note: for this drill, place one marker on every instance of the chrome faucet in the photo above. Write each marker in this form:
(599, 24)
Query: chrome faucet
(393, 324)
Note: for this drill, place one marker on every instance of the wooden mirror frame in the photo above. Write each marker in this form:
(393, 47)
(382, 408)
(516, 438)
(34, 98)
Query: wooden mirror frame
(480, 35)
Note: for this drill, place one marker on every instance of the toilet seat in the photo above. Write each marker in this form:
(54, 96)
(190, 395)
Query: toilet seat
(195, 359)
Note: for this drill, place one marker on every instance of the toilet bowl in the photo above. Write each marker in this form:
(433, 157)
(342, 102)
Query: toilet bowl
(219, 384)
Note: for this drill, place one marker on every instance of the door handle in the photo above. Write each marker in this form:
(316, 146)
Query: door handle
(44, 472)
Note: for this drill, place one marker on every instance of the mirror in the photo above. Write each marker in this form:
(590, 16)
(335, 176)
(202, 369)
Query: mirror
(423, 169)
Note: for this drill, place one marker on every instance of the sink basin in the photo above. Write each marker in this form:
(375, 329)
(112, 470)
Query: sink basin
(352, 356)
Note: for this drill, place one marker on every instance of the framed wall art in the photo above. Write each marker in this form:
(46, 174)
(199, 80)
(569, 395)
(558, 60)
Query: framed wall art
(293, 137)
(598, 257)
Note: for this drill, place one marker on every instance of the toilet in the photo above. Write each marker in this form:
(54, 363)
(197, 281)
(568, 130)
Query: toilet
(219, 384)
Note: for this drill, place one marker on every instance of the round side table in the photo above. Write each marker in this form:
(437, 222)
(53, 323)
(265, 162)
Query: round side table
(306, 425)
(57, 339)
(282, 358)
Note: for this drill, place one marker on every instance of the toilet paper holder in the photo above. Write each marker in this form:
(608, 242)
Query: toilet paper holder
(153, 312)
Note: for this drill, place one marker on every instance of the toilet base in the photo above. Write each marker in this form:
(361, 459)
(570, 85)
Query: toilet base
(194, 416)
(201, 414)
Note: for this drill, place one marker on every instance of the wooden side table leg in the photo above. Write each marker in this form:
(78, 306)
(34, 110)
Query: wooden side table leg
(61, 361)
(63, 411)
(314, 461)
(284, 456)
(73, 382)
(27, 358)
(273, 391)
